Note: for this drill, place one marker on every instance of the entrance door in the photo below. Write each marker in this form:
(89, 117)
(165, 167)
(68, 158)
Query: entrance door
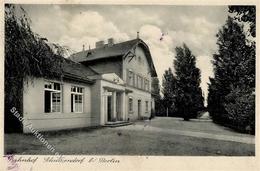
(109, 108)
(139, 108)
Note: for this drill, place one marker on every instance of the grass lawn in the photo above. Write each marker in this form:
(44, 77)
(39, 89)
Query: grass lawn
(114, 141)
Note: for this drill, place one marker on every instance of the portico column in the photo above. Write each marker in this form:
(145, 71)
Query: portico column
(104, 107)
(123, 106)
(114, 104)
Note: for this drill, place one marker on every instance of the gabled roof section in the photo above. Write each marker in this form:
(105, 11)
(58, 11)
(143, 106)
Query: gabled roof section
(114, 51)
(112, 77)
(149, 57)
(77, 71)
(107, 51)
(63, 68)
(68, 69)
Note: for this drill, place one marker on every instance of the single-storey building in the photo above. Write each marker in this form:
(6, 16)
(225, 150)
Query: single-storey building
(110, 83)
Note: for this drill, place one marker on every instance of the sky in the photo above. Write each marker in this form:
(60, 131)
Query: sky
(75, 25)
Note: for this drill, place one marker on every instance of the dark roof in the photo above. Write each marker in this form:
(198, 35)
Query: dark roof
(77, 71)
(112, 51)
(106, 51)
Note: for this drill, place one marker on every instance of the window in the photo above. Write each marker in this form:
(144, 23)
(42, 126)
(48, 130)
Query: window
(52, 97)
(56, 102)
(130, 104)
(142, 83)
(130, 78)
(76, 99)
(139, 82)
(136, 80)
(146, 106)
(146, 85)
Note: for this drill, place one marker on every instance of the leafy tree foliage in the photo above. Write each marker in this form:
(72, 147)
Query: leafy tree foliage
(231, 42)
(168, 91)
(157, 97)
(26, 54)
(240, 107)
(231, 90)
(189, 99)
(182, 94)
(245, 14)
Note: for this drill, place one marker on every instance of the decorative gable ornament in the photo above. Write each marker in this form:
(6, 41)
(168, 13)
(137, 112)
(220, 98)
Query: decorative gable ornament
(112, 77)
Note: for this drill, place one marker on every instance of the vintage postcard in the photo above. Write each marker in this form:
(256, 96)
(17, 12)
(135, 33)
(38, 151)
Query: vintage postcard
(145, 85)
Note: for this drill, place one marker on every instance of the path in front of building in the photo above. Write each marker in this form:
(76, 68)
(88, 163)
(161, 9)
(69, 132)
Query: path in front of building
(161, 136)
(199, 128)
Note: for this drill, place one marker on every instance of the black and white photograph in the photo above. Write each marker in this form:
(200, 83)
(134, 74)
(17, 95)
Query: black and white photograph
(128, 80)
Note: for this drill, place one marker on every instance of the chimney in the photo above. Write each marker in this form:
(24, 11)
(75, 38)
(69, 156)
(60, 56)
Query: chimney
(100, 44)
(110, 41)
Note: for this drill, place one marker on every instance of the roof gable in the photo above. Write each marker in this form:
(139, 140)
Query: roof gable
(107, 51)
(112, 77)
(148, 56)
(114, 51)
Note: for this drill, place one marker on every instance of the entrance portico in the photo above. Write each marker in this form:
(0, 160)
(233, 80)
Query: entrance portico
(114, 105)
(113, 99)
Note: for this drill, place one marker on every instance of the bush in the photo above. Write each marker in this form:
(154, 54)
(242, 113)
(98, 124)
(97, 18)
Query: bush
(240, 107)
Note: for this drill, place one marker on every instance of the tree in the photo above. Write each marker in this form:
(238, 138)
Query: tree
(189, 99)
(26, 55)
(231, 44)
(240, 107)
(245, 14)
(168, 91)
(157, 97)
(234, 77)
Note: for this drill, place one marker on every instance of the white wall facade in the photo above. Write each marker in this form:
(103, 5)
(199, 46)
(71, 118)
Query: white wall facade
(94, 99)
(139, 65)
(143, 97)
(33, 107)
